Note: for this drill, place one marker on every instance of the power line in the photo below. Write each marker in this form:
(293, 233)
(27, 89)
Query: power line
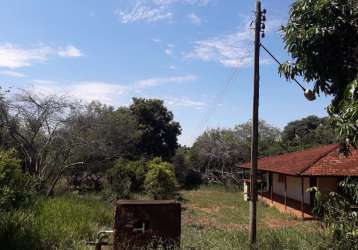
(233, 74)
(273, 57)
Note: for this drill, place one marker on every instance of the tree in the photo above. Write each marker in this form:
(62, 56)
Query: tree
(308, 132)
(33, 122)
(16, 187)
(159, 130)
(322, 38)
(99, 135)
(160, 179)
(217, 152)
(269, 138)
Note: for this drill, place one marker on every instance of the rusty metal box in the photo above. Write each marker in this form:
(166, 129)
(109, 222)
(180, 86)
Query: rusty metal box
(139, 224)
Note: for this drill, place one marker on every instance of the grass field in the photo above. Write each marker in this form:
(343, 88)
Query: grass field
(212, 218)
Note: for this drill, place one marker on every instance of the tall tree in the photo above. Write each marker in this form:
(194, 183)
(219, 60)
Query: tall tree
(32, 122)
(322, 38)
(99, 135)
(217, 152)
(159, 130)
(307, 132)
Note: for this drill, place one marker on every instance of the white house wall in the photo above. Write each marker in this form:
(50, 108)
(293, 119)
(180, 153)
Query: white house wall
(293, 187)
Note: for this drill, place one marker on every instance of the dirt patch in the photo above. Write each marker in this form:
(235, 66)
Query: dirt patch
(209, 210)
(279, 223)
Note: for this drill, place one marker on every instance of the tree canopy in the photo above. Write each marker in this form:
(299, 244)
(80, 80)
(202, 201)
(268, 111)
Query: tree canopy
(322, 38)
(159, 130)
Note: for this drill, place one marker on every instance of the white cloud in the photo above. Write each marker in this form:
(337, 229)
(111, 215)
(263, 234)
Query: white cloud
(232, 50)
(156, 40)
(87, 91)
(192, 2)
(168, 51)
(194, 19)
(141, 12)
(152, 82)
(152, 10)
(39, 81)
(69, 51)
(185, 102)
(172, 67)
(11, 73)
(13, 57)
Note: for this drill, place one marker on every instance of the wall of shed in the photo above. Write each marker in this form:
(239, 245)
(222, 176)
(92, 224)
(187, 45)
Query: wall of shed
(293, 187)
(327, 184)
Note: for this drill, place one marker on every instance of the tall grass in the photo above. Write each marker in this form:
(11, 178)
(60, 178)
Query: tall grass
(213, 218)
(60, 223)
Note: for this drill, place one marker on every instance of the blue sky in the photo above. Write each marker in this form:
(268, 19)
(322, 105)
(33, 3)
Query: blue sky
(196, 55)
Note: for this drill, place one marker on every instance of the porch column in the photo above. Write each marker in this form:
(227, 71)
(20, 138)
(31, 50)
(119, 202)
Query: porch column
(302, 197)
(285, 192)
(271, 186)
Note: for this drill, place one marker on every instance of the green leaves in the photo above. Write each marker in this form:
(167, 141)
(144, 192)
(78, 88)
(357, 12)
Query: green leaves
(322, 39)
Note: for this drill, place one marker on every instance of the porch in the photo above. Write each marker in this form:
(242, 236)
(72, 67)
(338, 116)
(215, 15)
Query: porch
(287, 205)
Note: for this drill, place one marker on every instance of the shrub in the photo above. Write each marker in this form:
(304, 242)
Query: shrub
(127, 177)
(16, 187)
(160, 180)
(336, 211)
(17, 231)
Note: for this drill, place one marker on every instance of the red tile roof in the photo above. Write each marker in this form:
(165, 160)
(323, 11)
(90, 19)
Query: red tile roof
(323, 160)
(335, 164)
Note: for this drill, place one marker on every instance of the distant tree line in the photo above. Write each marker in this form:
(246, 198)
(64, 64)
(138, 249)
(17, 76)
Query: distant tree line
(217, 153)
(55, 138)
(95, 146)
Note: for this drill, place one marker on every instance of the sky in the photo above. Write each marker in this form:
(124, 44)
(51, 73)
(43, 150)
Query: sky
(196, 55)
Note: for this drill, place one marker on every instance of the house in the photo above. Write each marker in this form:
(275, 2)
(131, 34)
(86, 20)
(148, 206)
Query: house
(290, 175)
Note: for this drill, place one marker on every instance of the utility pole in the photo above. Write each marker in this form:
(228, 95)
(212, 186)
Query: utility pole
(255, 123)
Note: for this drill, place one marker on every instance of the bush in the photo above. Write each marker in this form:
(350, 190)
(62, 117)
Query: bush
(127, 177)
(337, 212)
(16, 187)
(17, 231)
(160, 180)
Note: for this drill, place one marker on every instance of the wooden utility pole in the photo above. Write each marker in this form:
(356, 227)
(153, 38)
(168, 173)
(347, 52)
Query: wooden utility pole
(255, 124)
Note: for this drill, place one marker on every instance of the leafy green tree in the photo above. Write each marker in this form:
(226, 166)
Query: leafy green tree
(127, 177)
(16, 187)
(322, 38)
(159, 130)
(269, 138)
(99, 135)
(181, 164)
(308, 132)
(160, 180)
(337, 212)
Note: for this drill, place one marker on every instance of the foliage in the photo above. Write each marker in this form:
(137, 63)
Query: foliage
(159, 130)
(336, 211)
(32, 123)
(308, 132)
(322, 38)
(127, 177)
(181, 163)
(99, 135)
(160, 179)
(217, 152)
(16, 187)
(17, 231)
